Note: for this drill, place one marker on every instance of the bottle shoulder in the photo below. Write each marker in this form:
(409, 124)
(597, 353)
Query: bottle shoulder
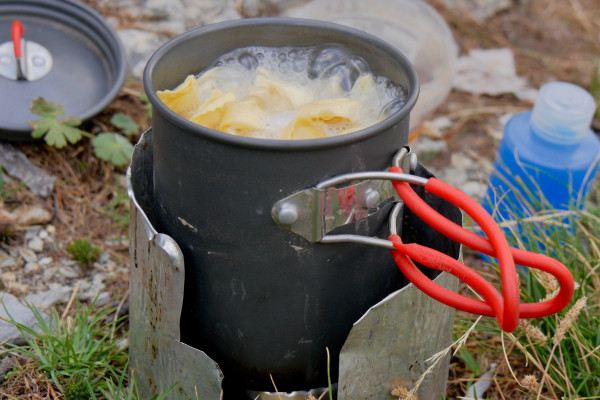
(520, 140)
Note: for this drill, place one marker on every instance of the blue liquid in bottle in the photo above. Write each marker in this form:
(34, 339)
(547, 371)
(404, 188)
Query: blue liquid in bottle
(548, 157)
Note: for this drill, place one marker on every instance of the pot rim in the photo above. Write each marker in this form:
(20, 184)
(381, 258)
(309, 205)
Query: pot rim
(282, 144)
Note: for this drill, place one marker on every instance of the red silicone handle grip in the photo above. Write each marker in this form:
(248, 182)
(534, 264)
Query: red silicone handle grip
(504, 306)
(17, 34)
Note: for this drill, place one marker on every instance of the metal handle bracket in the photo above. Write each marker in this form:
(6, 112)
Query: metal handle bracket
(313, 212)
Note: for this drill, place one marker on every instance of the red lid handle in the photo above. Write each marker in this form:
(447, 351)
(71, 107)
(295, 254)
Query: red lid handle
(17, 34)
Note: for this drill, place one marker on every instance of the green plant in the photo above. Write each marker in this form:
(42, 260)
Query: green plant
(56, 133)
(465, 355)
(120, 390)
(78, 354)
(109, 146)
(83, 251)
(115, 147)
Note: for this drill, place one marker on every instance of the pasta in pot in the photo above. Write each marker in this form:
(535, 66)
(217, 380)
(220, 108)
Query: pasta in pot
(264, 101)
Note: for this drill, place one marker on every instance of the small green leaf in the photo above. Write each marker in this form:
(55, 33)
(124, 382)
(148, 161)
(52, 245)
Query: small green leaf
(73, 135)
(112, 147)
(124, 123)
(72, 121)
(56, 133)
(41, 126)
(45, 108)
(55, 137)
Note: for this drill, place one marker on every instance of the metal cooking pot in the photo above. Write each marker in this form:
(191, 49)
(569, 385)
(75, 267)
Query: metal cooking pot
(258, 299)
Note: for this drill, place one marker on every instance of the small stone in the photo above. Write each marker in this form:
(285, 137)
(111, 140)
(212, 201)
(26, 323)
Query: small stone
(32, 268)
(8, 362)
(462, 161)
(8, 262)
(32, 215)
(29, 255)
(110, 266)
(68, 272)
(51, 229)
(9, 305)
(49, 273)
(46, 261)
(36, 244)
(3, 256)
(18, 288)
(9, 281)
(123, 344)
(7, 278)
(98, 280)
(43, 234)
(102, 299)
(69, 263)
(473, 189)
(31, 233)
(104, 257)
(56, 294)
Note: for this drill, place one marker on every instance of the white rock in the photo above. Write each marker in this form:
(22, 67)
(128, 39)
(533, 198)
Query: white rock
(49, 273)
(51, 229)
(29, 255)
(32, 268)
(102, 299)
(462, 161)
(473, 189)
(8, 263)
(424, 145)
(19, 313)
(46, 261)
(69, 272)
(4, 256)
(36, 244)
(45, 299)
(453, 176)
(123, 344)
(104, 257)
(7, 278)
(98, 280)
(43, 234)
(32, 215)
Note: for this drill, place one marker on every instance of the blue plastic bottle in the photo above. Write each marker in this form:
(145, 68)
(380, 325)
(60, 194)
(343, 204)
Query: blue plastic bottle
(548, 157)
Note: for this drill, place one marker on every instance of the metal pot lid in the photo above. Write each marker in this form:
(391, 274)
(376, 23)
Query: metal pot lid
(68, 55)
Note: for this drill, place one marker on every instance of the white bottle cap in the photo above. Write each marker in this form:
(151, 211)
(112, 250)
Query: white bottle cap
(562, 112)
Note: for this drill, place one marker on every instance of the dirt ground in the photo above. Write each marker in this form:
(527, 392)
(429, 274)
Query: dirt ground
(551, 40)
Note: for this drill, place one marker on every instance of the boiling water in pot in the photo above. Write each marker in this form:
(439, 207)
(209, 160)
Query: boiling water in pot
(286, 93)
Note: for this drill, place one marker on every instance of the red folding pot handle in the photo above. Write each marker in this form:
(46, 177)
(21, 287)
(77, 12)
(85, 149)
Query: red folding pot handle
(17, 31)
(504, 306)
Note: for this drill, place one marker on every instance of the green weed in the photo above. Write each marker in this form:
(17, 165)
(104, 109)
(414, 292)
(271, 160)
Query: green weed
(83, 251)
(78, 354)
